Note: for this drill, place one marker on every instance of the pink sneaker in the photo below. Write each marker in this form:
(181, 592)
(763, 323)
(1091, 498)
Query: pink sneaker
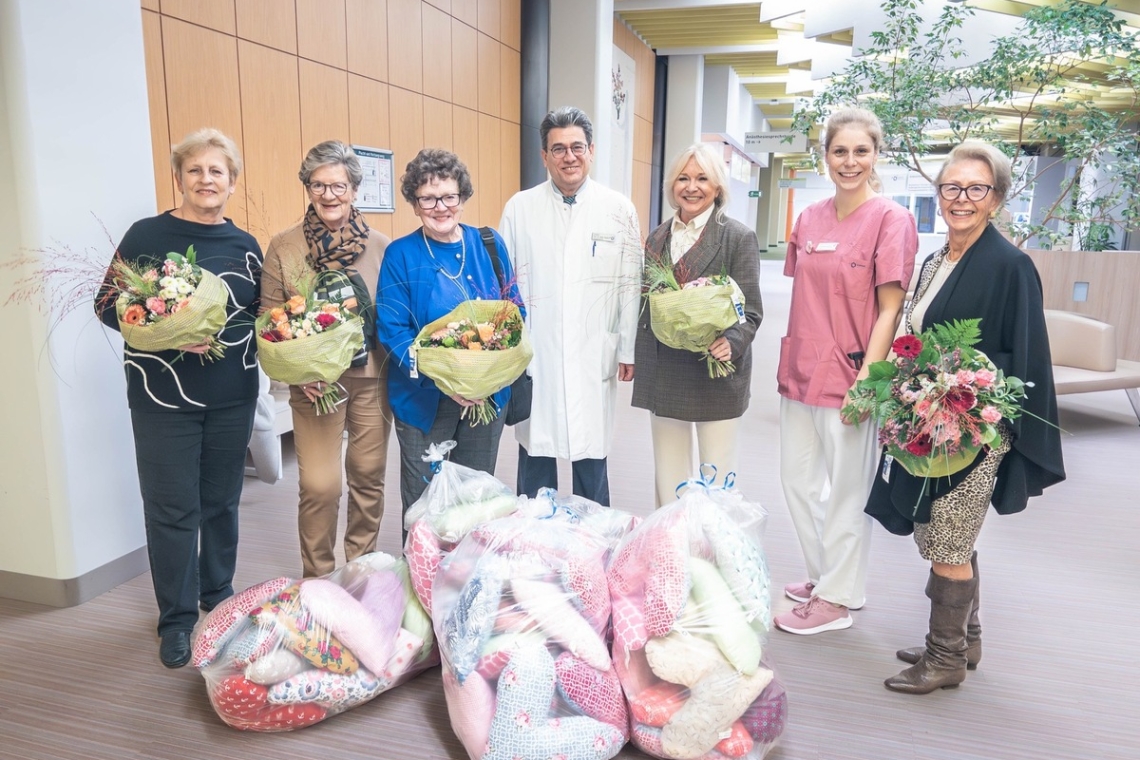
(799, 592)
(814, 616)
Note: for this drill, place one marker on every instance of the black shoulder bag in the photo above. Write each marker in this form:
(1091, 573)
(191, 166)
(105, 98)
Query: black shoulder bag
(518, 408)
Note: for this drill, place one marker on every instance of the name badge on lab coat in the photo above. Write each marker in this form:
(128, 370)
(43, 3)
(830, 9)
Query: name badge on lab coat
(599, 237)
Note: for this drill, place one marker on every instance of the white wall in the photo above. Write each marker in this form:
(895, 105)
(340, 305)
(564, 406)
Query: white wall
(74, 157)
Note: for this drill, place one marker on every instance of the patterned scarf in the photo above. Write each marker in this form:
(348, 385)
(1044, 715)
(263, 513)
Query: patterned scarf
(334, 249)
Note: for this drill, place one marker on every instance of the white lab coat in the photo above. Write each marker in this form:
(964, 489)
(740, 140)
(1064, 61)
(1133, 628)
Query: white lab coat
(579, 274)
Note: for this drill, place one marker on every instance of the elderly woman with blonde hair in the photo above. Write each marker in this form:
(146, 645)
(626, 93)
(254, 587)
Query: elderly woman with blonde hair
(688, 409)
(978, 274)
(192, 419)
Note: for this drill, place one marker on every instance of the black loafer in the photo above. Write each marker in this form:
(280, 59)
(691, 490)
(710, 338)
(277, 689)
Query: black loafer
(175, 649)
(206, 606)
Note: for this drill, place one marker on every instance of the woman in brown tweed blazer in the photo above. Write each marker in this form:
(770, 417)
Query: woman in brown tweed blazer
(684, 403)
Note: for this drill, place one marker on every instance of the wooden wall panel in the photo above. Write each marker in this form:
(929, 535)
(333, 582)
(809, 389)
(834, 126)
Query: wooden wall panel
(150, 5)
(490, 169)
(271, 107)
(642, 191)
(438, 128)
(510, 23)
(489, 18)
(466, 11)
(213, 14)
(464, 65)
(367, 22)
(510, 84)
(437, 65)
(465, 139)
(368, 125)
(324, 95)
(642, 108)
(405, 44)
(202, 89)
(443, 5)
(407, 124)
(321, 33)
(268, 22)
(509, 139)
(1113, 279)
(642, 140)
(490, 80)
(160, 142)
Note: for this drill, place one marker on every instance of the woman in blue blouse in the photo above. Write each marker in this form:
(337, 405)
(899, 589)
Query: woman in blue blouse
(424, 276)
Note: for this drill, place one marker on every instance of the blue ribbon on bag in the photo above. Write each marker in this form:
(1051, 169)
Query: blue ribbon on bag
(706, 480)
(435, 455)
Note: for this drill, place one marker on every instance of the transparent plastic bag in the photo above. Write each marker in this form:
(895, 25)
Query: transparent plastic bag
(521, 610)
(691, 612)
(457, 499)
(285, 654)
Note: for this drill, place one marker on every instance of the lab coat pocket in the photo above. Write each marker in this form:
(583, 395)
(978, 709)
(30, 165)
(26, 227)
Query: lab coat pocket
(609, 354)
(605, 261)
(854, 277)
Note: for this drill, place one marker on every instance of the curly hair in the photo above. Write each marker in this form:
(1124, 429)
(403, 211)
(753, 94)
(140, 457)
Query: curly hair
(435, 163)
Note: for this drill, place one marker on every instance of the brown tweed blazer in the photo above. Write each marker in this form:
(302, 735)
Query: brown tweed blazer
(674, 383)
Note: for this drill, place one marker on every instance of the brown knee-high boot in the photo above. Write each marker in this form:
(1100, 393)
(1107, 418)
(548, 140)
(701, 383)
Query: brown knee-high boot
(943, 664)
(973, 630)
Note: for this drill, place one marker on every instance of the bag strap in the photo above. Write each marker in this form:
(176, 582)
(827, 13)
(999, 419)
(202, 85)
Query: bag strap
(493, 251)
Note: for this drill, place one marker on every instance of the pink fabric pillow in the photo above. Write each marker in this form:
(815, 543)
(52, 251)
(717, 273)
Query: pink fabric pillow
(423, 555)
(222, 622)
(471, 706)
(348, 620)
(593, 692)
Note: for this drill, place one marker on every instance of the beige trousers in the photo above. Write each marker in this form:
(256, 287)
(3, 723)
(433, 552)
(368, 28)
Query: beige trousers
(674, 442)
(319, 442)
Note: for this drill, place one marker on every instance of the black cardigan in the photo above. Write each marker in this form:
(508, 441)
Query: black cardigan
(997, 282)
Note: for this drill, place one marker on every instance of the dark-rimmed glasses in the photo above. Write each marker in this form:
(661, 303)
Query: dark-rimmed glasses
(428, 202)
(578, 149)
(317, 189)
(951, 192)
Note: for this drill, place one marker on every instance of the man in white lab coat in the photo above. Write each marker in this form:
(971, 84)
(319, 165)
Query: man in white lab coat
(577, 251)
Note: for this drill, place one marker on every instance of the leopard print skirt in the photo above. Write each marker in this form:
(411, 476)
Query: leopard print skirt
(956, 518)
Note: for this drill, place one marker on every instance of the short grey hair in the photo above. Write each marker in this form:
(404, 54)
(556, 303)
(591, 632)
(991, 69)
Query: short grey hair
(435, 163)
(711, 163)
(204, 139)
(564, 118)
(331, 153)
(976, 150)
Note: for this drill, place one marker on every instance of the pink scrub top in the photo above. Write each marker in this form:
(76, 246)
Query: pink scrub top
(836, 266)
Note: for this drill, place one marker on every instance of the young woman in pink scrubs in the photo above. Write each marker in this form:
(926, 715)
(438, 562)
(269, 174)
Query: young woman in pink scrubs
(851, 258)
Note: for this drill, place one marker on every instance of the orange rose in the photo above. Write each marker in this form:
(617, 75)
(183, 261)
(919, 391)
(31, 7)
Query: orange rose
(474, 346)
(330, 308)
(485, 332)
(296, 305)
(134, 314)
(277, 316)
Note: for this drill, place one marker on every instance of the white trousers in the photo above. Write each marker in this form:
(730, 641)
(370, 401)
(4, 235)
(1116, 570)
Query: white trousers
(827, 469)
(674, 442)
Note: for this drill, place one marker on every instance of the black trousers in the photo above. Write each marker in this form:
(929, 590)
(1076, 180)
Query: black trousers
(191, 467)
(591, 476)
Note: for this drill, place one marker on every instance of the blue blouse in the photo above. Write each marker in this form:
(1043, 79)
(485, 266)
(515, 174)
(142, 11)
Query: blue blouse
(418, 285)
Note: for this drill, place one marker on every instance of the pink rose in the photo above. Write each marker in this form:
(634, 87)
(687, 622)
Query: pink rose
(150, 275)
(990, 414)
(922, 407)
(156, 305)
(965, 377)
(984, 378)
(169, 267)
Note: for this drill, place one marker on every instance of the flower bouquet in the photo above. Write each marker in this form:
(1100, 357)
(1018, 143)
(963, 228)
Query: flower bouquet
(939, 401)
(306, 340)
(167, 305)
(475, 350)
(689, 316)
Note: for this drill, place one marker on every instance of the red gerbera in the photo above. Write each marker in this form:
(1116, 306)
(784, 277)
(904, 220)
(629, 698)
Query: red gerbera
(960, 400)
(324, 320)
(907, 346)
(920, 446)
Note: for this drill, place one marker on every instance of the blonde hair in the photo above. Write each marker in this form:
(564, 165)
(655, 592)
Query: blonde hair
(711, 163)
(859, 118)
(976, 150)
(204, 139)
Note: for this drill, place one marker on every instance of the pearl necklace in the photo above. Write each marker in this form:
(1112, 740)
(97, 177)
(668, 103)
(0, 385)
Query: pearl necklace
(458, 276)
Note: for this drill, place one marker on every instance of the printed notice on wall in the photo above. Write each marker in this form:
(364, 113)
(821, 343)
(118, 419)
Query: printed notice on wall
(377, 189)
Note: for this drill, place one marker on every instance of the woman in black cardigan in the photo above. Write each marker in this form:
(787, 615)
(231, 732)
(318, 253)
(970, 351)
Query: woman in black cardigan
(674, 385)
(977, 274)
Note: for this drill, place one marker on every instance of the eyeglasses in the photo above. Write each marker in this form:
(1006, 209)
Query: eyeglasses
(578, 149)
(317, 189)
(428, 202)
(973, 192)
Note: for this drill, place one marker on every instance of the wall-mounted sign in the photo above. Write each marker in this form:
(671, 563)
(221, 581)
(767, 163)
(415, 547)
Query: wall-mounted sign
(377, 190)
(774, 142)
(787, 183)
(753, 193)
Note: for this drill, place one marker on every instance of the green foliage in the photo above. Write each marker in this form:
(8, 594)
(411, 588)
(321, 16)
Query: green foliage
(1033, 96)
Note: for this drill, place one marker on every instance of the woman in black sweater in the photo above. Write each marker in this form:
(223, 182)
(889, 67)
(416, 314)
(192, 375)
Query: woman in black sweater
(192, 418)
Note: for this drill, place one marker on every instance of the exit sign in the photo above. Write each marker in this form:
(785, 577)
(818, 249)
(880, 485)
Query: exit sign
(753, 193)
